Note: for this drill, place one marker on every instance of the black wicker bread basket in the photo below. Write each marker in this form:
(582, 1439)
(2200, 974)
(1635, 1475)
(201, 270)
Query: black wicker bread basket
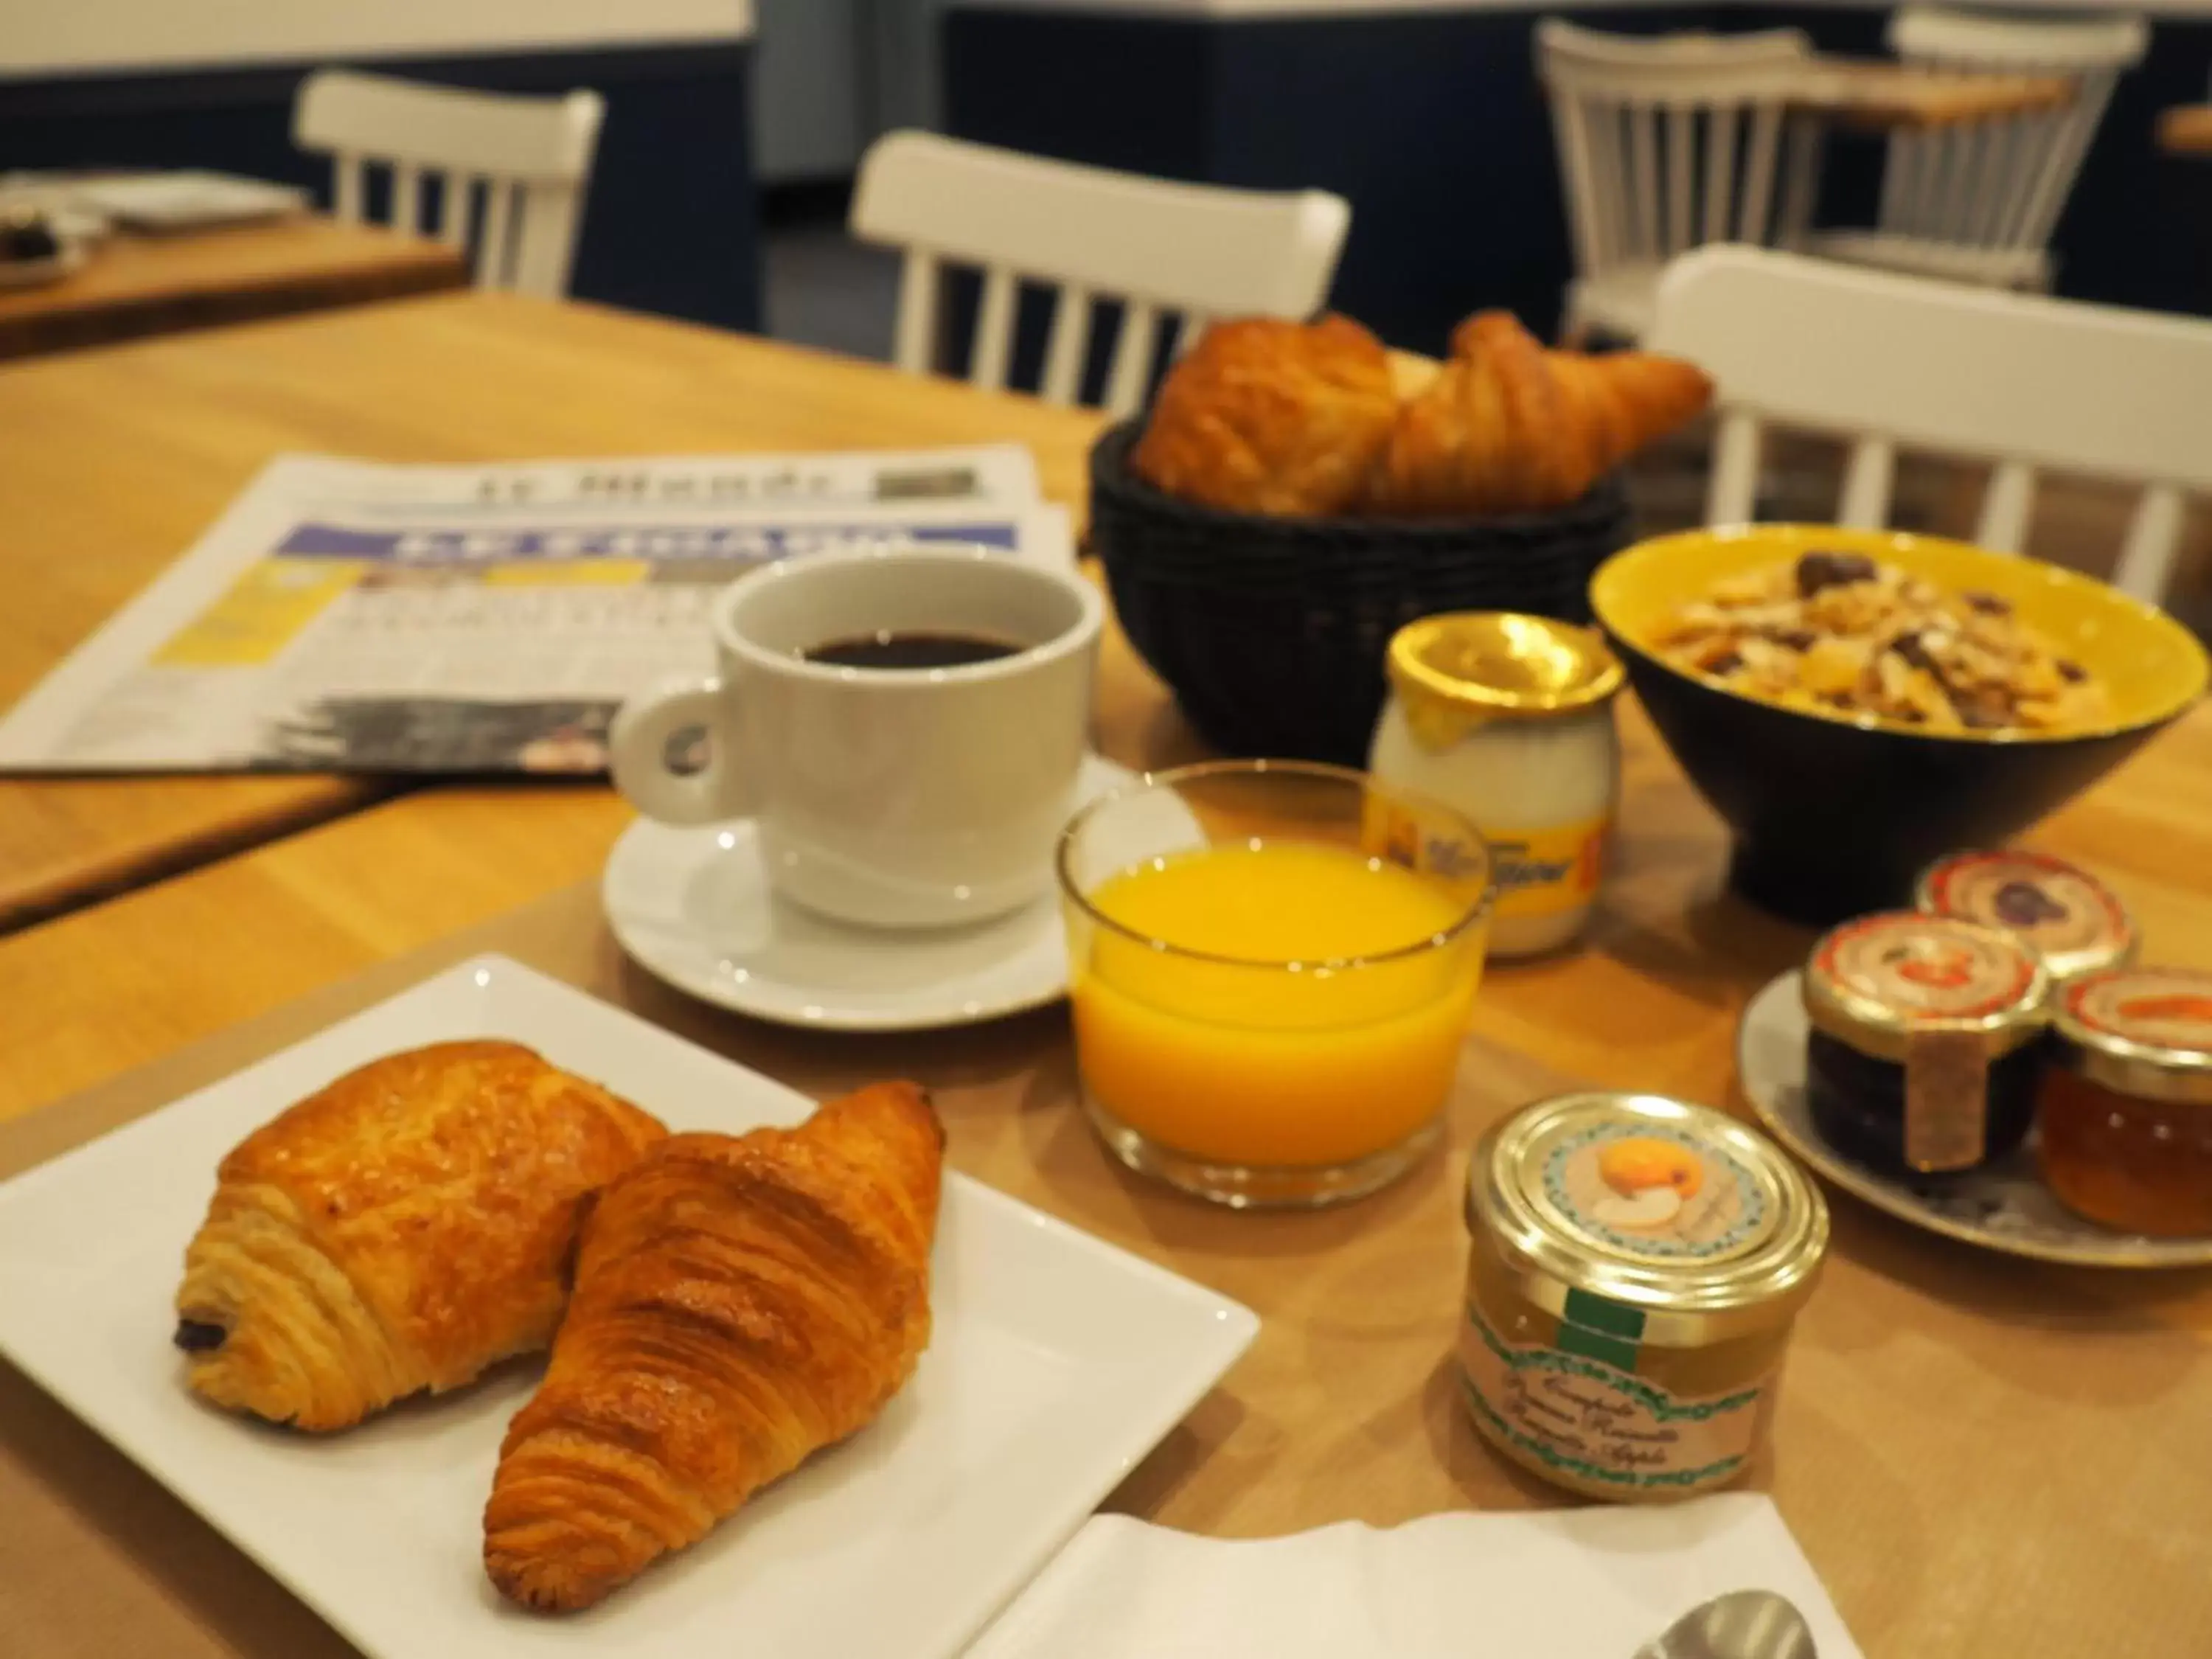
(1271, 632)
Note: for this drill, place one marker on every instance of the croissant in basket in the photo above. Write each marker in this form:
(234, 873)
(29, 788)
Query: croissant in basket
(1507, 426)
(1263, 415)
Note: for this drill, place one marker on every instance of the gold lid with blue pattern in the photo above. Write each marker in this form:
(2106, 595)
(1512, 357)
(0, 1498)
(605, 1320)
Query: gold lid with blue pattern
(1695, 1220)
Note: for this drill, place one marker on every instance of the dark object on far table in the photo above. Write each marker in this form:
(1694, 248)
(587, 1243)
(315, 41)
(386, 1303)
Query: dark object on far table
(25, 237)
(1271, 632)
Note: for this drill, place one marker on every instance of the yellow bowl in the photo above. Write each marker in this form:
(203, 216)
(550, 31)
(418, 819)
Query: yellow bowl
(1834, 813)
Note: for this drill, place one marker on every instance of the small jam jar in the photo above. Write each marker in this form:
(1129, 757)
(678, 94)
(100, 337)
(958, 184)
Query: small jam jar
(2127, 1106)
(1926, 1046)
(1636, 1267)
(2072, 920)
(1509, 718)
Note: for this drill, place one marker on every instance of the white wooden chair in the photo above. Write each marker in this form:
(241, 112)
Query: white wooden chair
(530, 160)
(1977, 202)
(1887, 361)
(1164, 250)
(1667, 142)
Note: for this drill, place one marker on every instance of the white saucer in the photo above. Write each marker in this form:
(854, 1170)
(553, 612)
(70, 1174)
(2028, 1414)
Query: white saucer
(692, 907)
(2004, 1206)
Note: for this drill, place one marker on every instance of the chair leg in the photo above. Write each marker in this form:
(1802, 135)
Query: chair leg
(1574, 326)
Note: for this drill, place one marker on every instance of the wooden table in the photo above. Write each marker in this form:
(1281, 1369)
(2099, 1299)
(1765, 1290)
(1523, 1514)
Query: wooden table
(1879, 95)
(2186, 129)
(116, 460)
(132, 285)
(1985, 1458)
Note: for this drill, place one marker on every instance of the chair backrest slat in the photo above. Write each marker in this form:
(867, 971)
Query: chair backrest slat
(533, 155)
(1868, 477)
(1156, 246)
(456, 207)
(494, 262)
(1063, 351)
(914, 338)
(1681, 162)
(2006, 506)
(349, 187)
(1720, 175)
(1132, 358)
(994, 329)
(1899, 362)
(1758, 174)
(1802, 147)
(407, 197)
(1734, 491)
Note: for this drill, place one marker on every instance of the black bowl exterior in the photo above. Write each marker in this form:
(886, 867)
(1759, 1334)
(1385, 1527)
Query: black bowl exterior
(1832, 821)
(1271, 632)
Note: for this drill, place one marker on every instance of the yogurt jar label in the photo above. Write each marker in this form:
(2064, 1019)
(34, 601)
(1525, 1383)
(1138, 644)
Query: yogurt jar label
(1543, 873)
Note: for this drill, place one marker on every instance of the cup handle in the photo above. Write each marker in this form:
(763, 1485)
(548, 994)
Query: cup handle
(638, 746)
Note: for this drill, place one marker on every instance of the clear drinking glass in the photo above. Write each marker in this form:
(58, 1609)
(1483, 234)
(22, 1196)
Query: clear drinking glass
(1272, 968)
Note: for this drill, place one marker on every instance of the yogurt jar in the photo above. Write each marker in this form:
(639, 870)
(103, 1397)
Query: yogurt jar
(1509, 718)
(1635, 1268)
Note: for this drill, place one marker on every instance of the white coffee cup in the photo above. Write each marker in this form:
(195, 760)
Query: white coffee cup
(892, 798)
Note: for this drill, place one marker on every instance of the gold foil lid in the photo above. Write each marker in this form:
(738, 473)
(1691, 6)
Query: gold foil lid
(1884, 981)
(2143, 1031)
(1467, 666)
(2072, 920)
(1682, 1213)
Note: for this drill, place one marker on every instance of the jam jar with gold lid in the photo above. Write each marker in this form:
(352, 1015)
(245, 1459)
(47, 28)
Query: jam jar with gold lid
(2073, 921)
(1635, 1268)
(1509, 718)
(2127, 1104)
(1927, 1041)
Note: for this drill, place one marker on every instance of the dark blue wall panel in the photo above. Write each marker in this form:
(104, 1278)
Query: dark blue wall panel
(1432, 124)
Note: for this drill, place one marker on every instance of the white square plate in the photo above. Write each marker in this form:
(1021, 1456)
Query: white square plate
(1057, 1362)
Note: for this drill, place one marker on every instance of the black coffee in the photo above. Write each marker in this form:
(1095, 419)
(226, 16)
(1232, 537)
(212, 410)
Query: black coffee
(917, 650)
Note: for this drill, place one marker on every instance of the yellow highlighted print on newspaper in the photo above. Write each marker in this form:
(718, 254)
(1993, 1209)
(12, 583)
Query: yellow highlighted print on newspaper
(569, 572)
(263, 612)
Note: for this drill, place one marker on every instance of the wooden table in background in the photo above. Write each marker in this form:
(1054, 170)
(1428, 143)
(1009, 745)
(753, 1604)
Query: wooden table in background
(2186, 129)
(116, 460)
(133, 285)
(1986, 1459)
(1867, 93)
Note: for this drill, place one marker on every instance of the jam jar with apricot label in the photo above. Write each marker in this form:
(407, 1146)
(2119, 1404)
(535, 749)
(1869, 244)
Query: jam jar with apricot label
(1636, 1266)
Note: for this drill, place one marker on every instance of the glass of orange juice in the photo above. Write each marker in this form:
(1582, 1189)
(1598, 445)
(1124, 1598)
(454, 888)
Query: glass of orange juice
(1272, 967)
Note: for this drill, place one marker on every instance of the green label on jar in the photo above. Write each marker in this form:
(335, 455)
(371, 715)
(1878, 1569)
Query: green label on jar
(1597, 1423)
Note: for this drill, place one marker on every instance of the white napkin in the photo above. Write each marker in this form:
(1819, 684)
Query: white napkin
(1583, 1584)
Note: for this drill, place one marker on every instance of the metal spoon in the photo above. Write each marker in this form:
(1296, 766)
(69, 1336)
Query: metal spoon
(1742, 1625)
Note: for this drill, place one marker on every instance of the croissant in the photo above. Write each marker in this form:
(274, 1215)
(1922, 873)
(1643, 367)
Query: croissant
(403, 1229)
(1507, 426)
(740, 1302)
(1263, 415)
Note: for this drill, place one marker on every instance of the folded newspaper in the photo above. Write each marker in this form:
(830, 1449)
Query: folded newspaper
(346, 615)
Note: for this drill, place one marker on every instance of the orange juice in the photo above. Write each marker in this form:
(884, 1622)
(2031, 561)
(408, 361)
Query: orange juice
(1308, 1008)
